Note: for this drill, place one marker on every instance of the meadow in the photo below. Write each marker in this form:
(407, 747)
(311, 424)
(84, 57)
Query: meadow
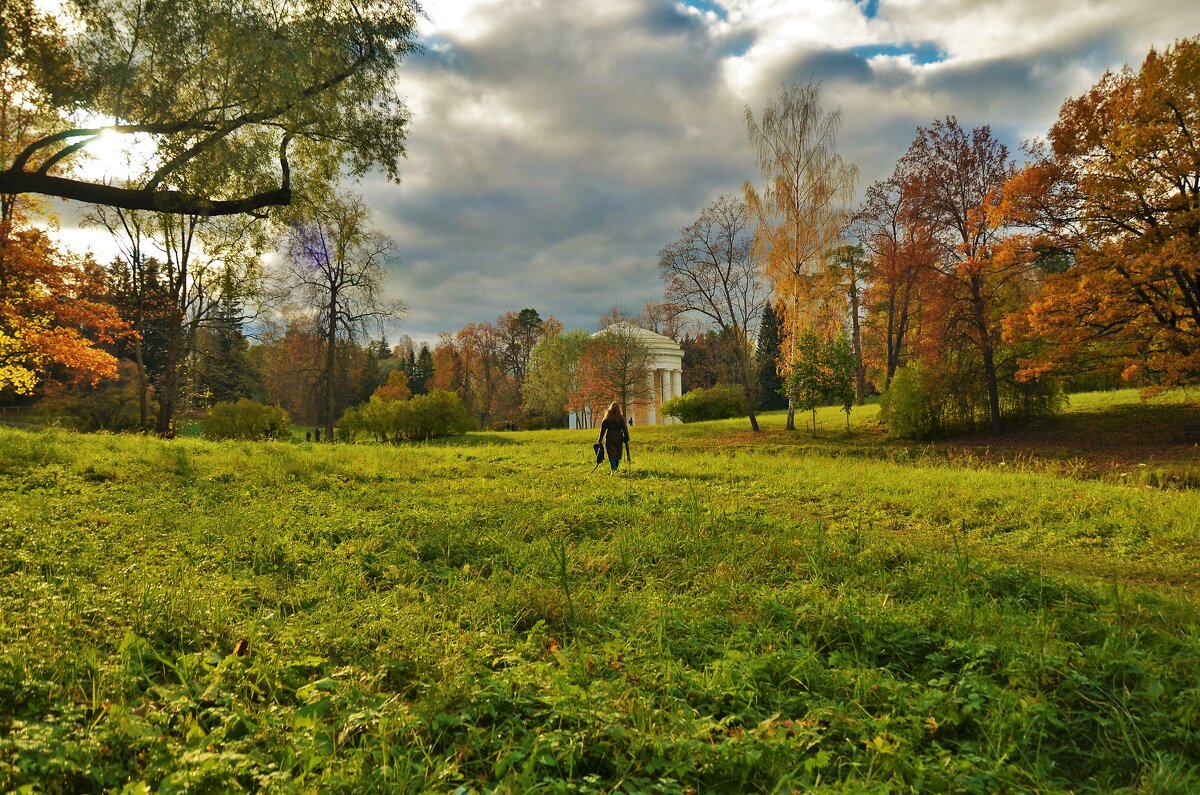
(734, 613)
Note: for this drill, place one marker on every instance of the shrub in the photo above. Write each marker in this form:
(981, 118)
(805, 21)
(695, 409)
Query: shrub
(438, 413)
(720, 402)
(908, 409)
(109, 406)
(247, 419)
(925, 401)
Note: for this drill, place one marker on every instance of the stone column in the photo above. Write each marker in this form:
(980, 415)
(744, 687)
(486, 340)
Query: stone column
(676, 383)
(651, 415)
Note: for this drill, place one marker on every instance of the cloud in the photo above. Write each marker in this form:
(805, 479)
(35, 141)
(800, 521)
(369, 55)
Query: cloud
(556, 147)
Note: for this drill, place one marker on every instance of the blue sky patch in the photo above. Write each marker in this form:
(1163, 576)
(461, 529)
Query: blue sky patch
(715, 7)
(922, 52)
(869, 8)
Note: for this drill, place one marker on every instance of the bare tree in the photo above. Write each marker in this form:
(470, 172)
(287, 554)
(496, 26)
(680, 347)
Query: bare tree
(336, 266)
(801, 209)
(712, 270)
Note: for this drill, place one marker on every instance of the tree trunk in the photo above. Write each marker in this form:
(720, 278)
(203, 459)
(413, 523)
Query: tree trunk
(143, 388)
(749, 381)
(791, 417)
(860, 373)
(330, 359)
(168, 387)
(985, 348)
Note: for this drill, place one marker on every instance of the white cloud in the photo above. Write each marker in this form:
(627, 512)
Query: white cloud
(557, 145)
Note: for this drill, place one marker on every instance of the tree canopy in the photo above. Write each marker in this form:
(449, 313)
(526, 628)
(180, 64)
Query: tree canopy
(236, 102)
(1118, 193)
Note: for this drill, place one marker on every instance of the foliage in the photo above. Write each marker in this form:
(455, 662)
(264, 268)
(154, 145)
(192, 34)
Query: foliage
(51, 322)
(615, 367)
(424, 417)
(246, 419)
(801, 208)
(552, 382)
(770, 382)
(823, 372)
(715, 403)
(908, 408)
(1116, 198)
(928, 402)
(111, 405)
(234, 101)
(733, 616)
(337, 263)
(396, 387)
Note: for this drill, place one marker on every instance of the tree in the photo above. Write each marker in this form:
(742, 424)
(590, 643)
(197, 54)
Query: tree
(770, 384)
(616, 366)
(849, 271)
(222, 371)
(824, 373)
(138, 288)
(552, 383)
(711, 270)
(957, 178)
(201, 255)
(801, 208)
(50, 319)
(337, 265)
(236, 100)
(396, 387)
(423, 368)
(32, 58)
(899, 244)
(1117, 199)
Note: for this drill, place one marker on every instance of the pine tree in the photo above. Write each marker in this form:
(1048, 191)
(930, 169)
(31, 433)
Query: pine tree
(422, 371)
(770, 383)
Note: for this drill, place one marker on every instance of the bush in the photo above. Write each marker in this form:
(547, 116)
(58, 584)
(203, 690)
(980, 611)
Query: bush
(720, 402)
(424, 417)
(923, 402)
(110, 406)
(908, 408)
(247, 419)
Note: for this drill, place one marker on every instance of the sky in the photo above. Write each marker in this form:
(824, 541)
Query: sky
(557, 145)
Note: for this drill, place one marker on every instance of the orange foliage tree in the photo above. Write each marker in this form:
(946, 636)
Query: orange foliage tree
(1117, 195)
(396, 387)
(955, 180)
(51, 323)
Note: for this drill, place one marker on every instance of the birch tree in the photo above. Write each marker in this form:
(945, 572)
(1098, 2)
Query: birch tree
(800, 208)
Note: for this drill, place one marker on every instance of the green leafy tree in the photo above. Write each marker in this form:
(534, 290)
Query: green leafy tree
(237, 102)
(552, 381)
(823, 373)
(422, 370)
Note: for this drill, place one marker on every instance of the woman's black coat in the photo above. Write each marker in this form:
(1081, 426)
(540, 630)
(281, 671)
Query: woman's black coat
(614, 434)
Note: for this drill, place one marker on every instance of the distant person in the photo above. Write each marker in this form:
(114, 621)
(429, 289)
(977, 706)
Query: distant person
(318, 434)
(614, 434)
(308, 436)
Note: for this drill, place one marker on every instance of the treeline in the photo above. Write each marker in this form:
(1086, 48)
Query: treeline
(968, 289)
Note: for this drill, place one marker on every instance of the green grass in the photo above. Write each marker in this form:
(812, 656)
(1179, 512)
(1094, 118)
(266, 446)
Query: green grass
(733, 614)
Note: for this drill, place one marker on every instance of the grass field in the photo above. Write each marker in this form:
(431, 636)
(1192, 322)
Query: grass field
(735, 613)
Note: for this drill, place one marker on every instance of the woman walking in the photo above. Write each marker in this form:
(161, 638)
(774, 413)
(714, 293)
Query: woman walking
(614, 433)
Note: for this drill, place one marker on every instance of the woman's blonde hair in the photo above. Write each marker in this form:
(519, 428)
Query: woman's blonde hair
(614, 410)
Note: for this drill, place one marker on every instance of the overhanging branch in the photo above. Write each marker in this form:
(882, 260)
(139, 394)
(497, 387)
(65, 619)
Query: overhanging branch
(163, 201)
